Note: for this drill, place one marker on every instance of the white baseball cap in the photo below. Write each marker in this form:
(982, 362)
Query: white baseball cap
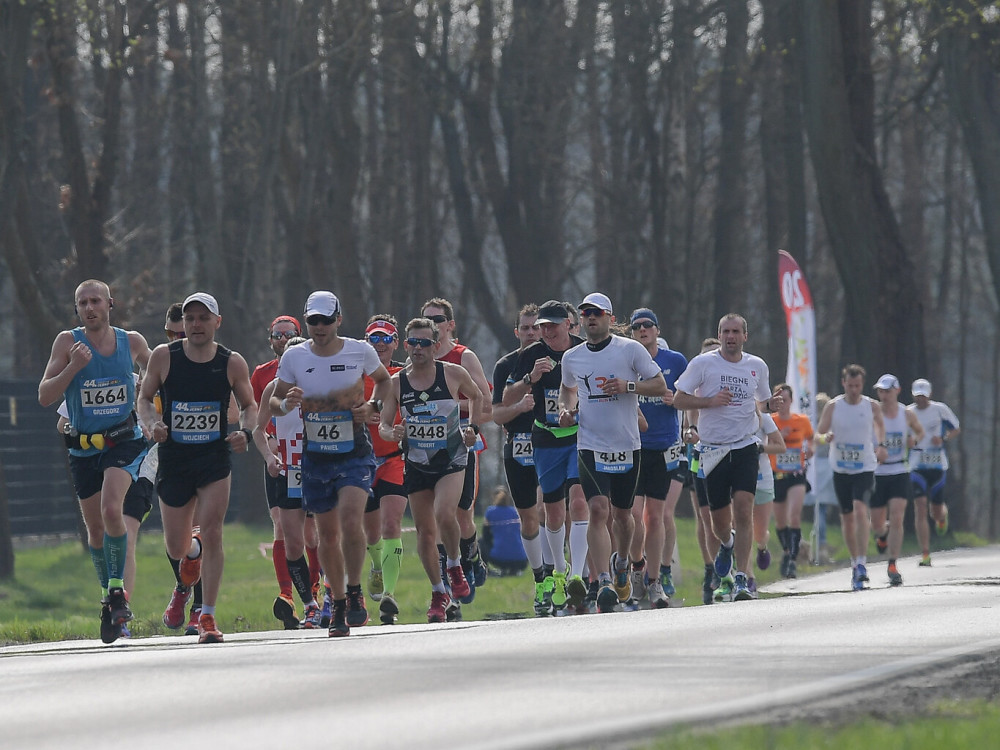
(921, 387)
(322, 303)
(887, 382)
(598, 300)
(204, 298)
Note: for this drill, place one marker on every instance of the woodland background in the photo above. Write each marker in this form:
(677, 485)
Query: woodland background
(497, 152)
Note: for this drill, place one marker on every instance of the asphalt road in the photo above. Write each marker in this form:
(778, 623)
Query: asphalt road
(568, 682)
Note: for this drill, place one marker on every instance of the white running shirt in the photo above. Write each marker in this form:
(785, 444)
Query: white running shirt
(748, 380)
(896, 433)
(607, 423)
(765, 475)
(936, 419)
(853, 449)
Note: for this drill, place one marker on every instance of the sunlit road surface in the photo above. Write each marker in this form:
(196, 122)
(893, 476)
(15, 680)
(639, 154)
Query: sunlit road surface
(571, 682)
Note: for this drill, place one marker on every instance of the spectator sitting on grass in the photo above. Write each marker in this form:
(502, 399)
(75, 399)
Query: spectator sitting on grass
(502, 546)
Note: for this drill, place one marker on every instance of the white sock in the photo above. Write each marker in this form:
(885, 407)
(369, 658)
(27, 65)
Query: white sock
(533, 549)
(547, 558)
(557, 544)
(578, 547)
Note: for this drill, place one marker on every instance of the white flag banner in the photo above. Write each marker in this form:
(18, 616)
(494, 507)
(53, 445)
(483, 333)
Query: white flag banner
(801, 320)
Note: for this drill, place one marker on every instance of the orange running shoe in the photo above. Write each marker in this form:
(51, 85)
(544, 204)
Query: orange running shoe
(207, 632)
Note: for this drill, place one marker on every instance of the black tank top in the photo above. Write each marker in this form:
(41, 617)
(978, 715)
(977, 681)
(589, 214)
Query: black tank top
(195, 398)
(433, 439)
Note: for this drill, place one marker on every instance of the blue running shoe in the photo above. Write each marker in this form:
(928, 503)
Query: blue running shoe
(667, 581)
(764, 558)
(863, 572)
(741, 591)
(607, 599)
(856, 583)
(724, 561)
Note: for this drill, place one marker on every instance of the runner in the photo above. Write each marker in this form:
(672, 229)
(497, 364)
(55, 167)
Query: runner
(93, 366)
(537, 373)
(661, 476)
(323, 376)
(195, 377)
(602, 381)
(931, 461)
(789, 469)
(441, 312)
(893, 486)
(849, 422)
(436, 449)
(384, 512)
(727, 386)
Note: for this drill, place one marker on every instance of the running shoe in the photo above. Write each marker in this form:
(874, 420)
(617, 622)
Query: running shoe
(895, 579)
(375, 584)
(326, 613)
(357, 614)
(459, 585)
(785, 559)
(857, 584)
(707, 589)
(792, 571)
(752, 587)
(863, 572)
(312, 618)
(207, 632)
(657, 599)
(559, 597)
(882, 543)
(284, 609)
(639, 580)
(338, 625)
(470, 578)
(576, 591)
(543, 596)
(125, 632)
(724, 593)
(607, 599)
(453, 612)
(941, 527)
(724, 561)
(667, 581)
(591, 598)
(190, 570)
(439, 605)
(630, 605)
(741, 593)
(192, 625)
(118, 603)
(109, 631)
(763, 558)
(387, 609)
(621, 579)
(925, 561)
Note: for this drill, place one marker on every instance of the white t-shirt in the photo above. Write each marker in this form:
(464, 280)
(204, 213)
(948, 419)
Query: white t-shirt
(748, 380)
(936, 419)
(607, 423)
(853, 449)
(897, 430)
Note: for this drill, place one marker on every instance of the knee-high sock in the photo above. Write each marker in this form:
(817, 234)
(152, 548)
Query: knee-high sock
(557, 546)
(101, 566)
(578, 547)
(375, 553)
(315, 569)
(392, 556)
(533, 550)
(281, 568)
(299, 571)
(114, 553)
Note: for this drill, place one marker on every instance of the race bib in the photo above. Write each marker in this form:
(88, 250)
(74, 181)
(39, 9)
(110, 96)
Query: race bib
(674, 455)
(552, 406)
(193, 422)
(790, 460)
(294, 474)
(613, 463)
(522, 449)
(329, 431)
(894, 445)
(931, 458)
(427, 431)
(709, 457)
(105, 397)
(850, 456)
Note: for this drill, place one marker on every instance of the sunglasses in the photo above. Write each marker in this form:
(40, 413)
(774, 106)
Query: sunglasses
(381, 338)
(320, 320)
(419, 343)
(592, 312)
(173, 335)
(438, 318)
(276, 335)
(643, 324)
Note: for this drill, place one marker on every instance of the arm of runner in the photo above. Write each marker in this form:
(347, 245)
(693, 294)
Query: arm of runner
(823, 433)
(916, 429)
(474, 367)
(139, 348)
(239, 377)
(67, 358)
(261, 439)
(568, 405)
(390, 405)
(881, 451)
(688, 401)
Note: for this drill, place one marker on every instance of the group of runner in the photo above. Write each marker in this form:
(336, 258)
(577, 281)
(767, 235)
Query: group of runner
(603, 427)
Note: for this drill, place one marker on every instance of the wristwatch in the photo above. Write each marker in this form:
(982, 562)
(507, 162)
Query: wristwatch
(376, 405)
(630, 386)
(527, 380)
